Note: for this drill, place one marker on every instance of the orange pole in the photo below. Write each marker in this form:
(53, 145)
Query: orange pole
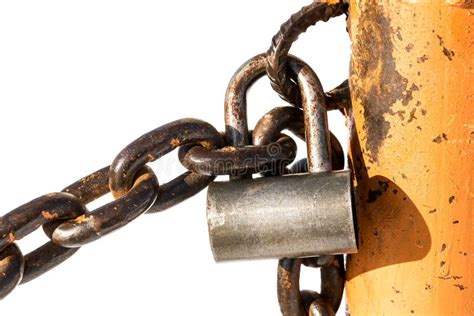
(412, 90)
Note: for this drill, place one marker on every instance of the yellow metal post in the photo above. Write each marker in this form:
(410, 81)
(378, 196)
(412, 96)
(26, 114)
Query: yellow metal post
(412, 86)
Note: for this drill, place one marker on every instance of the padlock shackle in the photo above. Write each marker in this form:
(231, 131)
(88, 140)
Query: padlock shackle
(314, 106)
(315, 116)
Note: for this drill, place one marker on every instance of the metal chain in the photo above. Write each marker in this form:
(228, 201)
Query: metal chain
(206, 153)
(238, 161)
(70, 225)
(277, 55)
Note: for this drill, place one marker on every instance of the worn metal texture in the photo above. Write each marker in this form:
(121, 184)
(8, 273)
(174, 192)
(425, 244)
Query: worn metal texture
(315, 117)
(11, 269)
(66, 220)
(112, 216)
(412, 74)
(235, 104)
(339, 98)
(294, 302)
(90, 187)
(50, 209)
(278, 119)
(45, 258)
(154, 145)
(238, 161)
(50, 254)
(25, 219)
(179, 189)
(288, 216)
(291, 118)
(278, 71)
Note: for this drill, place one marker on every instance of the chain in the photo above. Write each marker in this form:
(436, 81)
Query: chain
(69, 224)
(206, 153)
(277, 55)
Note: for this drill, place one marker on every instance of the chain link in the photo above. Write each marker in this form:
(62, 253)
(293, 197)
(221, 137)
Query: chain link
(112, 216)
(12, 265)
(238, 161)
(291, 118)
(301, 303)
(277, 55)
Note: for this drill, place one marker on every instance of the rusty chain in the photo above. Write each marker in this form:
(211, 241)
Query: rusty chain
(281, 78)
(70, 225)
(206, 153)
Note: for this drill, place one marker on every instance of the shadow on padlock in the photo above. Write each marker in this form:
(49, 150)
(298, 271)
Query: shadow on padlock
(382, 233)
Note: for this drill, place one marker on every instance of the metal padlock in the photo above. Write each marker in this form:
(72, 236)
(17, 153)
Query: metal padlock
(286, 216)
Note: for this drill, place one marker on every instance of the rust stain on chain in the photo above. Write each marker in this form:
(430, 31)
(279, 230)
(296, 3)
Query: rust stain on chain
(5, 262)
(174, 142)
(206, 144)
(228, 149)
(81, 219)
(286, 281)
(48, 215)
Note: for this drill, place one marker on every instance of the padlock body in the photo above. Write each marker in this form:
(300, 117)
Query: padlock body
(289, 216)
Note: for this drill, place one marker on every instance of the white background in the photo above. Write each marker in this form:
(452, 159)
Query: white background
(79, 80)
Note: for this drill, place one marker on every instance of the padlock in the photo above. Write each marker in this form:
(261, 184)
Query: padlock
(283, 216)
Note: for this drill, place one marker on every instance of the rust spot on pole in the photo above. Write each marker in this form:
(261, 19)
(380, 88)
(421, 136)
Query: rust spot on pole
(376, 83)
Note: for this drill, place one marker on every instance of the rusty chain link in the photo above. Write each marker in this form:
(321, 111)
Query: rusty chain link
(291, 118)
(301, 303)
(206, 153)
(110, 217)
(277, 55)
(237, 161)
